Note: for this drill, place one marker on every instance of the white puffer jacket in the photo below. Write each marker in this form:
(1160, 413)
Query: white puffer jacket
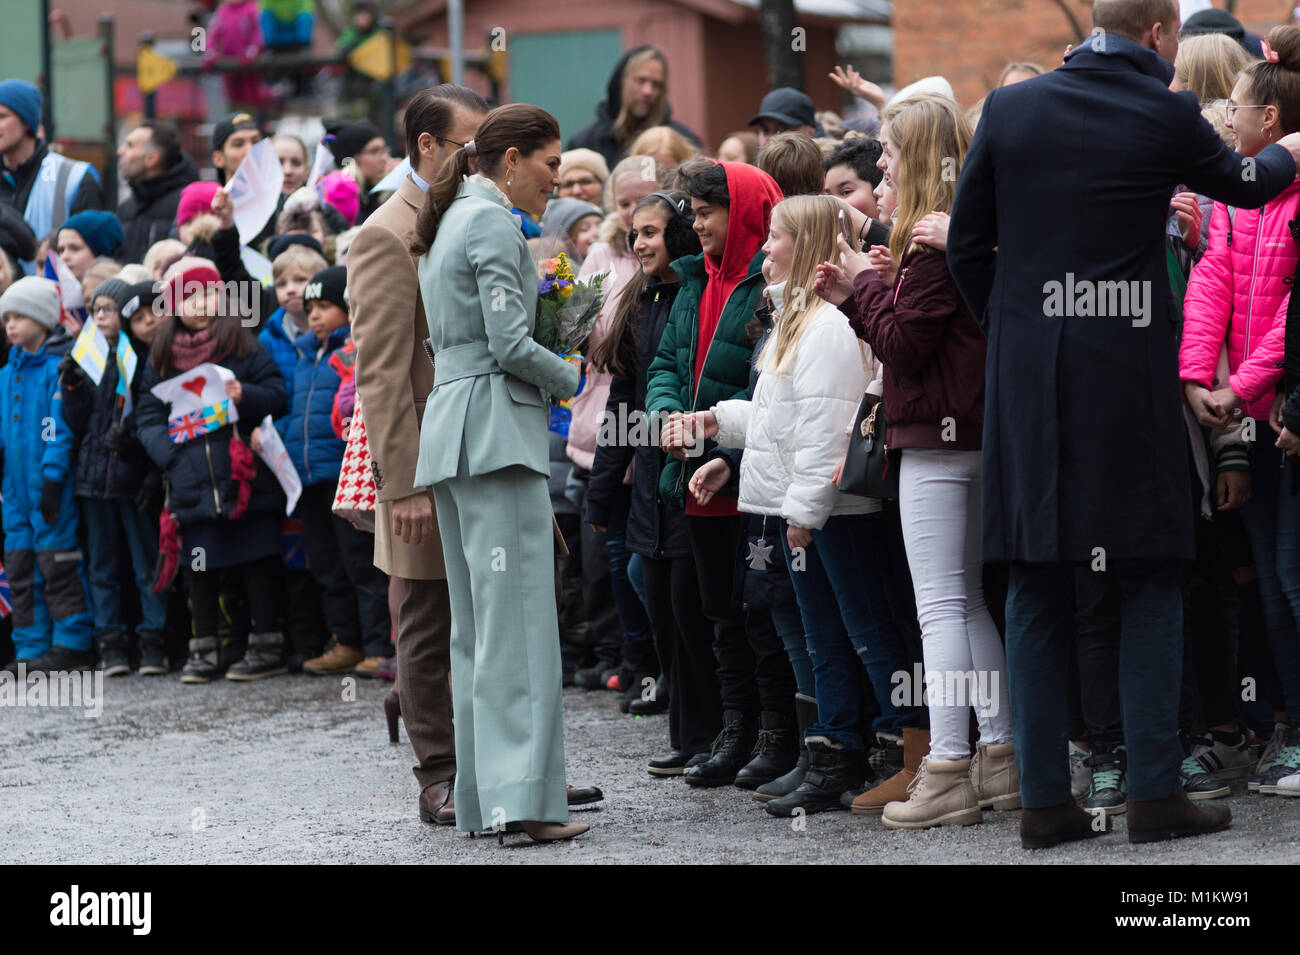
(796, 429)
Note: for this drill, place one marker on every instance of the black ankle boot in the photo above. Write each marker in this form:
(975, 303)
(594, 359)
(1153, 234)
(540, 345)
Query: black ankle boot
(831, 770)
(775, 752)
(805, 714)
(730, 752)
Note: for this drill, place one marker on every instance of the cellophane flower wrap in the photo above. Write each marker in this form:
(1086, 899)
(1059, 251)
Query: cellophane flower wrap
(567, 308)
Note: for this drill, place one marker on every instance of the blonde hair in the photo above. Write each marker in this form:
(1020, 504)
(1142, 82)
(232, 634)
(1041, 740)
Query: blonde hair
(101, 269)
(162, 254)
(662, 139)
(1031, 68)
(299, 257)
(930, 135)
(1208, 65)
(813, 222)
(1216, 114)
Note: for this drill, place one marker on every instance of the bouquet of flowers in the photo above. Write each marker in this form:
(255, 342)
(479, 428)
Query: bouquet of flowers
(567, 308)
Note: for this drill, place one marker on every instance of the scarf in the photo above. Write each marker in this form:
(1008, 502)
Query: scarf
(191, 349)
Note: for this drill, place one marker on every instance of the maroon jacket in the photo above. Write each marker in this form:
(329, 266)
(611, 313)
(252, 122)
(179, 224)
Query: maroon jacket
(932, 349)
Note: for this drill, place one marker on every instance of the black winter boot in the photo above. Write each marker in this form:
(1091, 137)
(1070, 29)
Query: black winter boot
(729, 754)
(264, 657)
(831, 770)
(153, 653)
(775, 752)
(205, 660)
(113, 656)
(805, 714)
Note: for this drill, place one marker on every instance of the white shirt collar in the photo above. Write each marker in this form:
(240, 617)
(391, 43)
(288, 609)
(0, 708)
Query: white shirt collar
(490, 186)
(415, 178)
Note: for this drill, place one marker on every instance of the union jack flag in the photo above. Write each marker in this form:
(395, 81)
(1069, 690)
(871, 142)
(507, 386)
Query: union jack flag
(6, 594)
(187, 426)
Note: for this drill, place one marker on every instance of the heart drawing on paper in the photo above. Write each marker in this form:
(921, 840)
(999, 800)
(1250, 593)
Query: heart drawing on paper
(195, 385)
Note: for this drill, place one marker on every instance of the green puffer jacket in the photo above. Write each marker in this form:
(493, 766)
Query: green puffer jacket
(726, 366)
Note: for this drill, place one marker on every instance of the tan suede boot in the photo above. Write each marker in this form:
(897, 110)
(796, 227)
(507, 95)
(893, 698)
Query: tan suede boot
(916, 746)
(994, 777)
(941, 795)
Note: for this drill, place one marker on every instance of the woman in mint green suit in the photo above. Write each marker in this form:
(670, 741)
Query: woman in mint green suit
(483, 451)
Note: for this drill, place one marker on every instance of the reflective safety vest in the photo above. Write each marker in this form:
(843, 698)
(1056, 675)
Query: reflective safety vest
(52, 195)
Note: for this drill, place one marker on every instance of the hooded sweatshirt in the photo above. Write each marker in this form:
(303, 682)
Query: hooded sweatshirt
(753, 195)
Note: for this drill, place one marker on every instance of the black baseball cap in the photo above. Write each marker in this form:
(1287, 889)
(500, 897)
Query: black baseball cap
(232, 124)
(787, 106)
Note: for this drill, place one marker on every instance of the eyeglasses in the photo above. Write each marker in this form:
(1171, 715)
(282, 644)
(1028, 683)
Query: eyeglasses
(1232, 110)
(444, 139)
(380, 150)
(584, 183)
(104, 310)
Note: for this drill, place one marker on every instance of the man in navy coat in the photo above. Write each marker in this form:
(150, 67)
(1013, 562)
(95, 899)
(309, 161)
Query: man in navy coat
(1057, 244)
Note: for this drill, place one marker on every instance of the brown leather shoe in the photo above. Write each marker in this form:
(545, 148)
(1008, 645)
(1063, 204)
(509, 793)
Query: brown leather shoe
(336, 659)
(369, 667)
(584, 795)
(1050, 826)
(1155, 820)
(437, 803)
(916, 746)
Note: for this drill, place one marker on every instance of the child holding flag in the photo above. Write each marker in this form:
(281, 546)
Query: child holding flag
(114, 478)
(52, 623)
(227, 507)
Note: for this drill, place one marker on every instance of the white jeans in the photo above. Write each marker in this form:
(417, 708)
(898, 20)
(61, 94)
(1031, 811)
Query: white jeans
(939, 502)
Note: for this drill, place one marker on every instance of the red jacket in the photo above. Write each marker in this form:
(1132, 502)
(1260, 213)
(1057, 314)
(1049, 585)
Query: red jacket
(932, 350)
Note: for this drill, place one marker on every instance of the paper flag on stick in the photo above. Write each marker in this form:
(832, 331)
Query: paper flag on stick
(393, 179)
(73, 303)
(126, 365)
(272, 451)
(255, 190)
(91, 352)
(197, 400)
(321, 166)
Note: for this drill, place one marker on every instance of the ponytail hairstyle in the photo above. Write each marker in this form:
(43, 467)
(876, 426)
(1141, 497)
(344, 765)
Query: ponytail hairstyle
(814, 224)
(615, 353)
(930, 135)
(1277, 84)
(519, 125)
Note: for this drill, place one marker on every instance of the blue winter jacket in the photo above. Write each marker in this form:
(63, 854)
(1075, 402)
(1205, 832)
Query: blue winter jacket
(34, 437)
(307, 430)
(282, 349)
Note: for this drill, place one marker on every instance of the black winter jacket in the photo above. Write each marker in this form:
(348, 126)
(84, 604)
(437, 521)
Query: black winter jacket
(198, 471)
(655, 528)
(148, 214)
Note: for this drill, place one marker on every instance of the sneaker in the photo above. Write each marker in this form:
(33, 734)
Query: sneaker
(113, 654)
(1197, 783)
(1108, 788)
(61, 660)
(336, 659)
(1269, 756)
(1288, 785)
(1225, 756)
(1287, 764)
(204, 663)
(153, 653)
(1080, 772)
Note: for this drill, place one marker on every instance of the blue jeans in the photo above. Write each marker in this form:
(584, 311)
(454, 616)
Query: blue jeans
(109, 523)
(788, 622)
(847, 624)
(636, 576)
(631, 605)
(1040, 639)
(1272, 519)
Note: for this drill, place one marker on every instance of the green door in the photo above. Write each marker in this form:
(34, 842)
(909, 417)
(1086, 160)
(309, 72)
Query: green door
(564, 73)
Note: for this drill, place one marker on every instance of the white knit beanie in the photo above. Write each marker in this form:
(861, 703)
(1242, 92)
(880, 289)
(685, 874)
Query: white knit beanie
(34, 297)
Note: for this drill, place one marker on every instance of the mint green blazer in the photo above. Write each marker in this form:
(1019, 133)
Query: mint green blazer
(479, 288)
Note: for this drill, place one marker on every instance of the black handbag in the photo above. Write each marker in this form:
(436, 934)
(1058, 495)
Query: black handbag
(767, 583)
(870, 468)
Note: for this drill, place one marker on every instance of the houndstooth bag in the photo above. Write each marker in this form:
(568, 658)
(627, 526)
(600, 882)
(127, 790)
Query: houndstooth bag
(354, 500)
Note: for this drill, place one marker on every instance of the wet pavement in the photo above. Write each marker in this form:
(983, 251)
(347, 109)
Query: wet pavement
(299, 769)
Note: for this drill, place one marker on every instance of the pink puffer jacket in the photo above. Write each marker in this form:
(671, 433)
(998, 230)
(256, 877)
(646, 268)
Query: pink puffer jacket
(1239, 291)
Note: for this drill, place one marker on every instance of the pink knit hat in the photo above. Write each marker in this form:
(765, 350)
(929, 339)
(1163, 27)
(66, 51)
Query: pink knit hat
(196, 199)
(185, 276)
(343, 193)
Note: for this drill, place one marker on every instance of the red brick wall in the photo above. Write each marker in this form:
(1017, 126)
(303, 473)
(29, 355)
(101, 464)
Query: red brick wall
(969, 41)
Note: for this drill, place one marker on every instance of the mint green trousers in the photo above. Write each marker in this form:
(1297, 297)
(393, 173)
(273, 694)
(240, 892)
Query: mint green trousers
(505, 649)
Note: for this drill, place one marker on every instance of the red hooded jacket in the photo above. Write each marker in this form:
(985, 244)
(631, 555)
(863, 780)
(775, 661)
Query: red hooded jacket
(753, 194)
